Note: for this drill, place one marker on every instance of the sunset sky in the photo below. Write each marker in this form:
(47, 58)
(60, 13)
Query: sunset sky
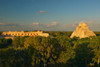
(48, 15)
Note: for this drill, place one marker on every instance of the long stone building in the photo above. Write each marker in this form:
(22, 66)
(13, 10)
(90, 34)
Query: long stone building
(22, 33)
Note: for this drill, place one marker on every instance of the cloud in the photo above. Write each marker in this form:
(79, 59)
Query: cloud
(44, 26)
(2, 23)
(51, 24)
(43, 11)
(10, 25)
(35, 24)
(69, 25)
(54, 23)
(75, 25)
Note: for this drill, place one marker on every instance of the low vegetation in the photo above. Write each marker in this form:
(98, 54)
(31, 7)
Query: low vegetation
(58, 50)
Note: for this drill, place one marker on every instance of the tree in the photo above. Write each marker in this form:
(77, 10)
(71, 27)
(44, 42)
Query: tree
(46, 47)
(4, 43)
(83, 53)
(11, 57)
(9, 41)
(0, 33)
(66, 49)
(95, 45)
(18, 41)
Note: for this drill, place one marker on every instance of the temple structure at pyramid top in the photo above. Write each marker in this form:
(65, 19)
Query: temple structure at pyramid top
(82, 31)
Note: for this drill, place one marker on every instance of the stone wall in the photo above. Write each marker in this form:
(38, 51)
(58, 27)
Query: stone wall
(82, 31)
(22, 33)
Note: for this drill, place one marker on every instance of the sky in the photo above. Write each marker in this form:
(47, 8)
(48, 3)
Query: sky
(48, 15)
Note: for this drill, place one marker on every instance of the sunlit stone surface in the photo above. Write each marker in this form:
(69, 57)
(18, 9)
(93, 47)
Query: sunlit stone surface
(22, 33)
(82, 31)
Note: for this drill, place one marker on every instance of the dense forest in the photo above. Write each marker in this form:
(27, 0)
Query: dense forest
(58, 50)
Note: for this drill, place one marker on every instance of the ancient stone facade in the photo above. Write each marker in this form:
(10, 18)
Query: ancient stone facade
(82, 31)
(22, 33)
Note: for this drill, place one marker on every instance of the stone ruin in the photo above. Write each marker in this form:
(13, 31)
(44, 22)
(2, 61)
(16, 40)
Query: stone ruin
(82, 31)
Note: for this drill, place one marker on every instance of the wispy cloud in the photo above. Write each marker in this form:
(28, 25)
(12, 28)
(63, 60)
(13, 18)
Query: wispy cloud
(2, 23)
(54, 23)
(51, 24)
(74, 25)
(10, 26)
(35, 24)
(43, 11)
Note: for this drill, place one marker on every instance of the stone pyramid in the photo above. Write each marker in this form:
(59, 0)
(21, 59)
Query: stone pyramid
(82, 31)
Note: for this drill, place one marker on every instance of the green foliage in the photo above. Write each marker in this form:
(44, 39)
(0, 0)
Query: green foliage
(66, 49)
(11, 57)
(97, 33)
(0, 33)
(57, 33)
(84, 55)
(95, 45)
(46, 48)
(56, 51)
(4, 43)
(18, 41)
